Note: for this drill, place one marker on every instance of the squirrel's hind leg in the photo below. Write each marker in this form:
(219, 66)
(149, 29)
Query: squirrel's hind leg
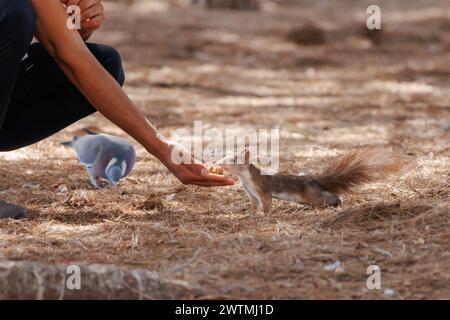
(326, 199)
(267, 203)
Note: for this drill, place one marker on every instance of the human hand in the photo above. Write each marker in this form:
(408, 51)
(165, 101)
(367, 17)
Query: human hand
(92, 15)
(189, 171)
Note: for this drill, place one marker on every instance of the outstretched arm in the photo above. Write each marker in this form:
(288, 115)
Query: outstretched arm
(97, 85)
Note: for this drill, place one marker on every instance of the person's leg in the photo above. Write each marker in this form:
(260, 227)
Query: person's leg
(44, 101)
(17, 23)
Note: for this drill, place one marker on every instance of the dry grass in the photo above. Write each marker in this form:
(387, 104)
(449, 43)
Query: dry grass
(236, 70)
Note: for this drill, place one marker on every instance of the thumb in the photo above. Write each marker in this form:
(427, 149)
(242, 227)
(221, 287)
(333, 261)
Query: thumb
(205, 172)
(199, 168)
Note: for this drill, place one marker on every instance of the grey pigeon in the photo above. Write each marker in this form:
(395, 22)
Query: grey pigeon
(104, 156)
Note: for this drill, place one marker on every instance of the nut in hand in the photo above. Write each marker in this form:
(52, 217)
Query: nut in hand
(216, 170)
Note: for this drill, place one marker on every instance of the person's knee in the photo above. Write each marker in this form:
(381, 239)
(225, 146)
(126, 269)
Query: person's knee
(112, 62)
(20, 22)
(114, 65)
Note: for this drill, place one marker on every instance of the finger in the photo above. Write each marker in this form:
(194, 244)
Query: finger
(93, 23)
(198, 168)
(211, 180)
(207, 184)
(72, 3)
(215, 179)
(87, 4)
(91, 13)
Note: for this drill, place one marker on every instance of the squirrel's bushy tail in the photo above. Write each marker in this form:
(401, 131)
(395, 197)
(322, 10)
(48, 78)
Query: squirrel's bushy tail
(358, 167)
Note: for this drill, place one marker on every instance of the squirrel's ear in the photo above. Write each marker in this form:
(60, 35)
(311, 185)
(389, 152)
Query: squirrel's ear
(246, 156)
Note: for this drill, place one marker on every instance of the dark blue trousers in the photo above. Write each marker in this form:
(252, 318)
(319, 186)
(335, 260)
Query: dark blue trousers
(36, 98)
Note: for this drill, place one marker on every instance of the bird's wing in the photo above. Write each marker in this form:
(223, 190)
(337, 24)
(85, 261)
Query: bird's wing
(117, 141)
(125, 149)
(130, 160)
(88, 147)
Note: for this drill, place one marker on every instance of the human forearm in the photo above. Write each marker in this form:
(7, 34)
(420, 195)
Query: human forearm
(110, 100)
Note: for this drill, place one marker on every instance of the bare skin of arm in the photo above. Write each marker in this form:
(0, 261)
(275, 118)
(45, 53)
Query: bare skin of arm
(97, 85)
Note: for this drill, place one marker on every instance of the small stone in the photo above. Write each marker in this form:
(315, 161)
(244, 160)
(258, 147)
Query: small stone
(389, 292)
(339, 270)
(308, 34)
(31, 185)
(310, 72)
(63, 188)
(333, 266)
(171, 197)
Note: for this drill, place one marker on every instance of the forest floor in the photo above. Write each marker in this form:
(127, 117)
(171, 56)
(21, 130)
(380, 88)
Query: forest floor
(236, 70)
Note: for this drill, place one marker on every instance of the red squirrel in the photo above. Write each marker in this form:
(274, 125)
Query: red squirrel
(314, 190)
